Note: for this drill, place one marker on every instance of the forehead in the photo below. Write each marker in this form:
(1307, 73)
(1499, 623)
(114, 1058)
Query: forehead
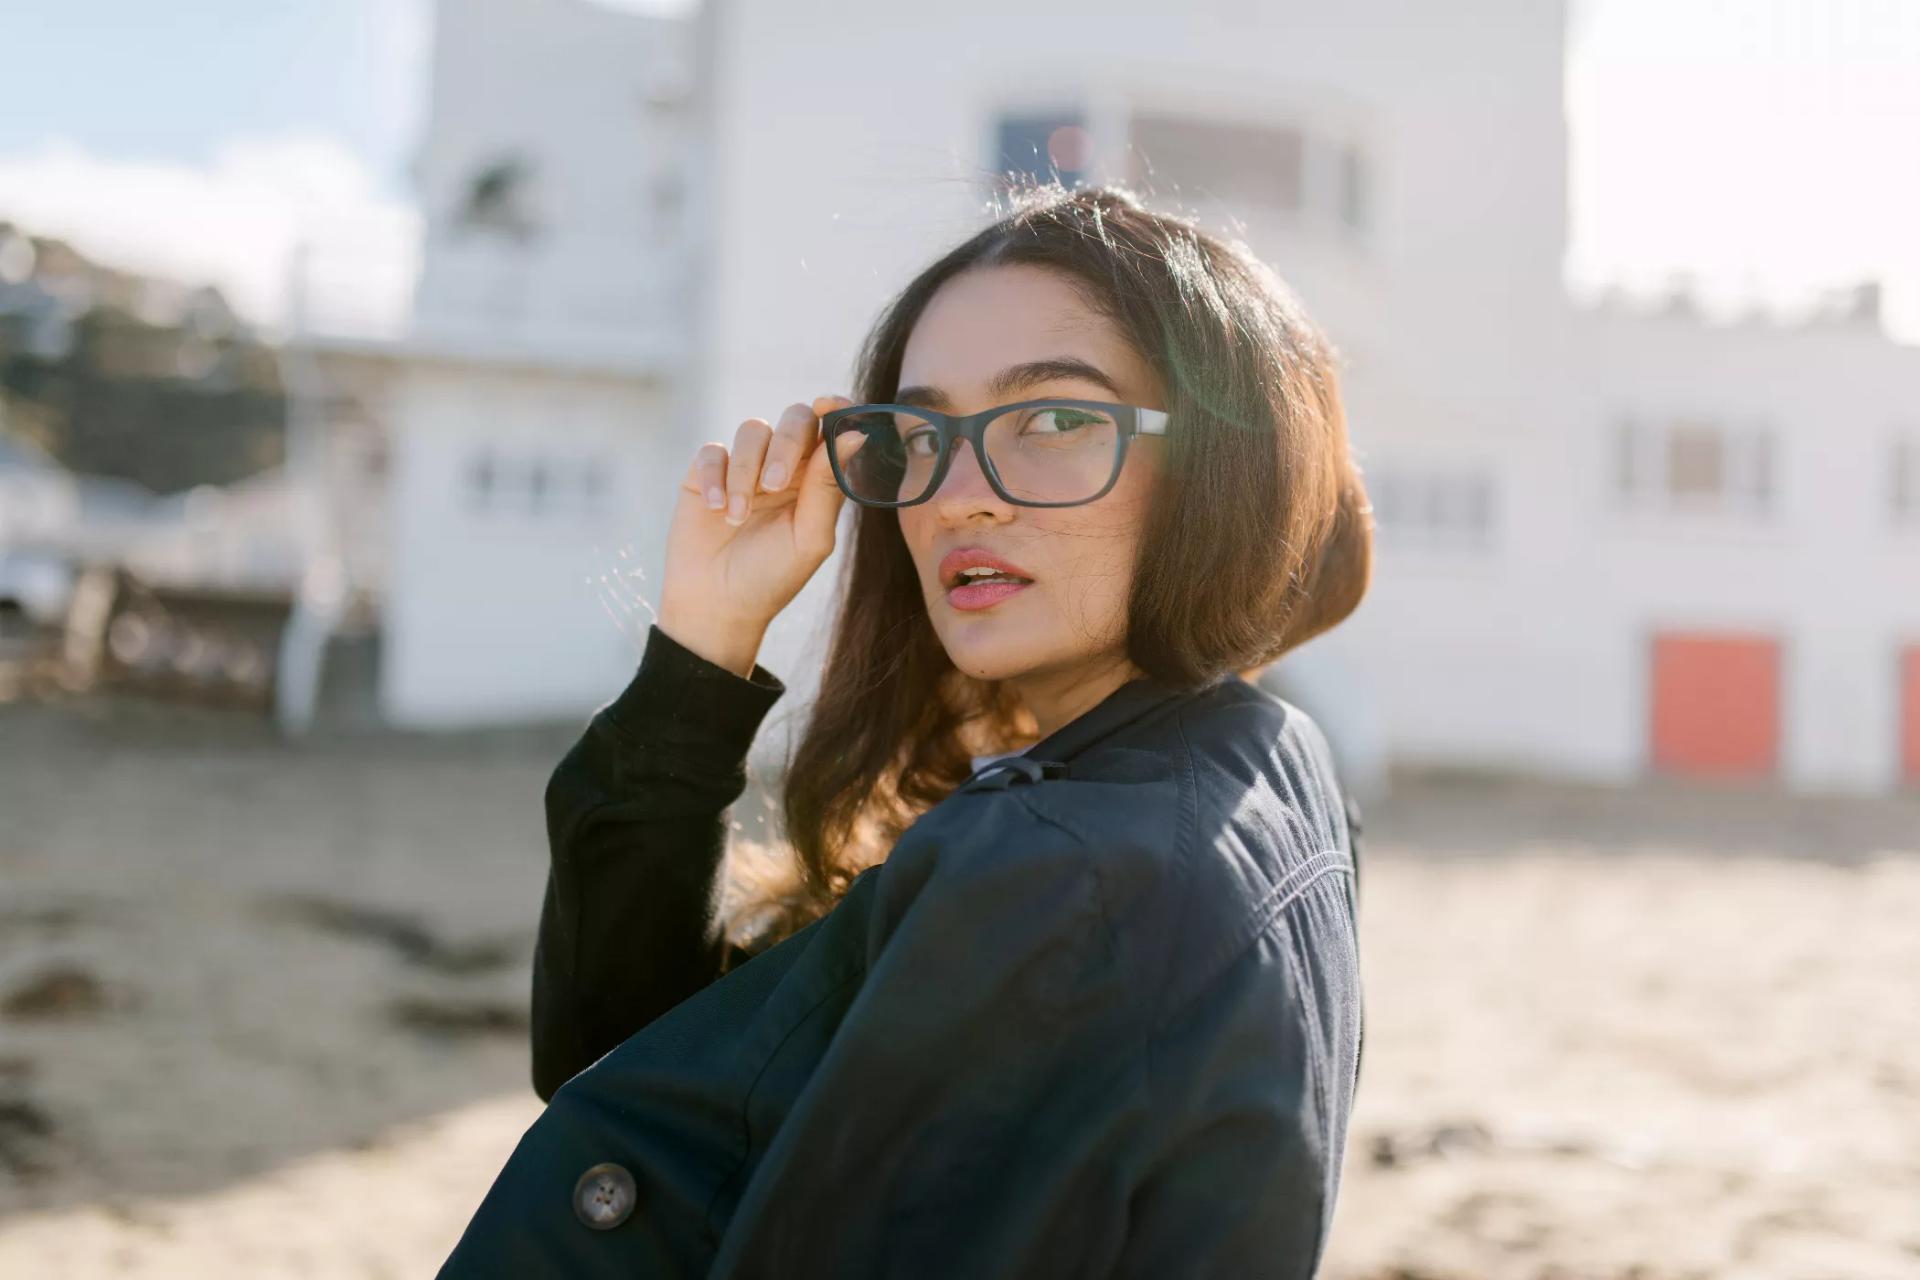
(987, 318)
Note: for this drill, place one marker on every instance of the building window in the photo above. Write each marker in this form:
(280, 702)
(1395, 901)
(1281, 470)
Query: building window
(1696, 464)
(1701, 465)
(1043, 146)
(669, 194)
(1434, 506)
(1354, 194)
(1626, 461)
(593, 484)
(1904, 492)
(482, 473)
(665, 91)
(1255, 166)
(1760, 470)
(497, 198)
(374, 459)
(536, 486)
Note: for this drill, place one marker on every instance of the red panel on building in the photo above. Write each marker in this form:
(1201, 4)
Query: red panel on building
(1910, 715)
(1716, 704)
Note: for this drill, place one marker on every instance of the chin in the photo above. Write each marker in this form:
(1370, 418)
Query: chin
(983, 661)
(986, 649)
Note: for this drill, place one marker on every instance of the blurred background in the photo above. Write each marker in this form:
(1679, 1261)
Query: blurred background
(350, 353)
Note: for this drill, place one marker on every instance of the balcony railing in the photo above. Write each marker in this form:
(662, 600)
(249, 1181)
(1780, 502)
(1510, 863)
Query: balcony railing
(619, 300)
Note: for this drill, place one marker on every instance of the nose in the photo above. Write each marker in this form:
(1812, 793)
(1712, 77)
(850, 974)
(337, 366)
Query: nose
(964, 491)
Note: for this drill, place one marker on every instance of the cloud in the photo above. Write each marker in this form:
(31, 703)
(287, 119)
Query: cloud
(235, 223)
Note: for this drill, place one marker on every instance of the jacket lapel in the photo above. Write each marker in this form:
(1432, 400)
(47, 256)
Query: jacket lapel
(1049, 758)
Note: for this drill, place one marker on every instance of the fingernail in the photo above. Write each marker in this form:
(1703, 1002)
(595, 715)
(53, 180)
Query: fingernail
(775, 475)
(716, 497)
(737, 507)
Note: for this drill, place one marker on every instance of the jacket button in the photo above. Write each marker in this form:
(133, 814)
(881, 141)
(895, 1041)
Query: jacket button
(604, 1196)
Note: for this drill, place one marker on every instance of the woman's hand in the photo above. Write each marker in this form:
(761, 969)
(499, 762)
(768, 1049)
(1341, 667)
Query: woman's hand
(748, 531)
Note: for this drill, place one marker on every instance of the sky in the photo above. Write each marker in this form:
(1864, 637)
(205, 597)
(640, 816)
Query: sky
(1765, 146)
(203, 140)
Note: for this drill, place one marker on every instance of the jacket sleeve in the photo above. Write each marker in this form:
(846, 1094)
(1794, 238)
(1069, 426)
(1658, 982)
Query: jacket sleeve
(1246, 1167)
(636, 830)
(989, 1059)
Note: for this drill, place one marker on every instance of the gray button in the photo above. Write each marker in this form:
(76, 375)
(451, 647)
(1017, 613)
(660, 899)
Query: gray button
(604, 1196)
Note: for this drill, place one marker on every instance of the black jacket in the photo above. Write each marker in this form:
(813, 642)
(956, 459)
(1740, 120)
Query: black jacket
(1098, 1013)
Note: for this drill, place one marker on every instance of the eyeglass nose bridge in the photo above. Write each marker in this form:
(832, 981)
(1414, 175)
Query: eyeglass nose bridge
(967, 435)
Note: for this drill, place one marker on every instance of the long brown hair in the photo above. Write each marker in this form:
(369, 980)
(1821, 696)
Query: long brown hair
(1260, 500)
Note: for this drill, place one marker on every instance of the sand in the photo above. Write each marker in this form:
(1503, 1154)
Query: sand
(262, 1012)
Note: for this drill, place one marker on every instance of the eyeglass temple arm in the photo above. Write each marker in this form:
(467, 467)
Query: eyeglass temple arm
(1147, 422)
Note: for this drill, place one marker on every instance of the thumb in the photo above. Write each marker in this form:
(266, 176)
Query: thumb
(817, 508)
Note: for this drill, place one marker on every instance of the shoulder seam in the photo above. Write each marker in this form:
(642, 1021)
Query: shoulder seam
(1262, 915)
(1101, 897)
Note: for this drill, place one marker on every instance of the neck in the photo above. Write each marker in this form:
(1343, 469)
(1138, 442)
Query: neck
(1057, 698)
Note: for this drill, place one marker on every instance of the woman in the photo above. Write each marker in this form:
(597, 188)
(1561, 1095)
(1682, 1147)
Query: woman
(1063, 980)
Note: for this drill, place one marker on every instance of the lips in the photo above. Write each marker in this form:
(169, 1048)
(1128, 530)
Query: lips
(971, 592)
(960, 559)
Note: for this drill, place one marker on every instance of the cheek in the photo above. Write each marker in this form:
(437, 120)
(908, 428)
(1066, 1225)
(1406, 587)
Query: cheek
(1107, 542)
(916, 535)
(1097, 562)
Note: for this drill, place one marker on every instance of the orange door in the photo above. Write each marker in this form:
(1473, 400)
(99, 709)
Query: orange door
(1716, 704)
(1910, 715)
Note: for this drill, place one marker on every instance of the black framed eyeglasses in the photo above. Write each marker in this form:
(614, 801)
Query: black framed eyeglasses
(1035, 453)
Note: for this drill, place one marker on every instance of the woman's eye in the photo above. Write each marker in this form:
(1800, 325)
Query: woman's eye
(923, 444)
(1059, 421)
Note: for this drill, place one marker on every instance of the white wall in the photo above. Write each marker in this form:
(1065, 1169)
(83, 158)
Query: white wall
(497, 609)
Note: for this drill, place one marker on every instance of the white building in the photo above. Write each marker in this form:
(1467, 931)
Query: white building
(1611, 544)
(528, 410)
(1744, 600)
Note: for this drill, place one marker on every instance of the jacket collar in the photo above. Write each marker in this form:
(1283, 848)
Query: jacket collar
(1131, 702)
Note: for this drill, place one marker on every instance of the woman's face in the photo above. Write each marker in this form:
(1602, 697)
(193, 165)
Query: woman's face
(1063, 635)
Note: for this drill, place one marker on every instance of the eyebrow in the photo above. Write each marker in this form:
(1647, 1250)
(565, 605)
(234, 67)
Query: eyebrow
(1014, 379)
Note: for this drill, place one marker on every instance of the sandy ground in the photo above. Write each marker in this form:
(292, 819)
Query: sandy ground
(262, 1012)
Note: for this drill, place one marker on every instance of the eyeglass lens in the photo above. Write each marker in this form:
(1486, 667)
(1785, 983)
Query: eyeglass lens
(1042, 453)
